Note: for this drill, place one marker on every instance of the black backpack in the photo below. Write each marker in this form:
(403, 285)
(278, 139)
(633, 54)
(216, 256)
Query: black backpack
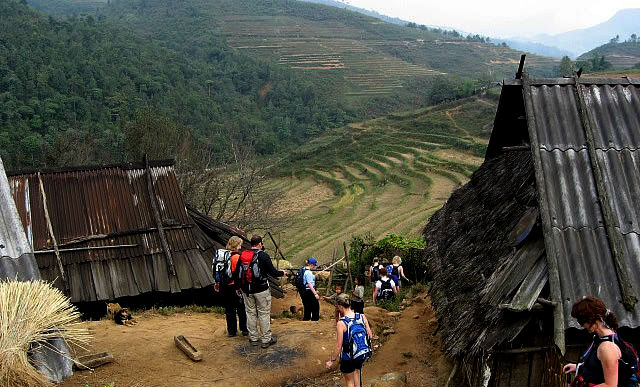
(375, 273)
(386, 290)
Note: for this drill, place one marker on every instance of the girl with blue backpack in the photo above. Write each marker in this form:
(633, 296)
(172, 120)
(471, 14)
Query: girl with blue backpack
(353, 343)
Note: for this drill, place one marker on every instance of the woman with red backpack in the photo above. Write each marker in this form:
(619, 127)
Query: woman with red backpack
(609, 361)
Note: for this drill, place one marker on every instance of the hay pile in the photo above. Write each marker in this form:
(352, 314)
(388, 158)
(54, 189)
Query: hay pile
(31, 313)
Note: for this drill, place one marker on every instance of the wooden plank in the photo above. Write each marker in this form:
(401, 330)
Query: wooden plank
(141, 274)
(159, 273)
(531, 286)
(87, 285)
(102, 280)
(183, 269)
(537, 369)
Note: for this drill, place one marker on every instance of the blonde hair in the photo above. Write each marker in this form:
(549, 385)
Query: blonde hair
(343, 300)
(234, 243)
(397, 260)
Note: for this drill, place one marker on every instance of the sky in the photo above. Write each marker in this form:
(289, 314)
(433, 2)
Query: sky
(501, 18)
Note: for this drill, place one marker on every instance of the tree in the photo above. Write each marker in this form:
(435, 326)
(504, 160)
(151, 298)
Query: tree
(633, 38)
(565, 68)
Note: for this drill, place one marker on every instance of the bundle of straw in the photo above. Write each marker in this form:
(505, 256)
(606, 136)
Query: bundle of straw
(31, 313)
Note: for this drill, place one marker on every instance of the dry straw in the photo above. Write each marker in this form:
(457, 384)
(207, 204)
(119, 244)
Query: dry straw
(30, 314)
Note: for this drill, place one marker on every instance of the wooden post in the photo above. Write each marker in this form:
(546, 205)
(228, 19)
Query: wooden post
(157, 218)
(346, 257)
(278, 251)
(52, 235)
(333, 260)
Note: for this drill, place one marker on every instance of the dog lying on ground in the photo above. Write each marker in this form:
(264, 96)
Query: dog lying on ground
(123, 317)
(120, 315)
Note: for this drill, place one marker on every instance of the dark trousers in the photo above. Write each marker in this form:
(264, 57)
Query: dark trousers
(311, 306)
(233, 305)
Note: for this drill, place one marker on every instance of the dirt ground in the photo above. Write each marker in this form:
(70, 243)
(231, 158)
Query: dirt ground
(145, 355)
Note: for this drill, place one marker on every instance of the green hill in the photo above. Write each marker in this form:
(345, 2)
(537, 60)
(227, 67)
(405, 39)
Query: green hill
(371, 63)
(621, 55)
(71, 88)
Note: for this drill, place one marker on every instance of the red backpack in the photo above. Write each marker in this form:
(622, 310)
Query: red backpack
(248, 272)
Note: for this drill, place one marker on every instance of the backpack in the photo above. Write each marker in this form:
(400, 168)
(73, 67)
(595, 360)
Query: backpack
(356, 345)
(221, 266)
(627, 364)
(300, 285)
(393, 273)
(386, 290)
(247, 270)
(375, 273)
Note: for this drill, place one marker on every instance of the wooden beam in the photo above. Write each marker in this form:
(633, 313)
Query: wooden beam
(84, 248)
(551, 253)
(95, 237)
(52, 235)
(157, 218)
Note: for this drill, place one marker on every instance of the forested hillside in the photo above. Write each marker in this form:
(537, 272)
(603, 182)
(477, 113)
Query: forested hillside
(620, 54)
(71, 89)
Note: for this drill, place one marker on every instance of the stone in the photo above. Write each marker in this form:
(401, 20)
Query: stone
(389, 331)
(416, 316)
(394, 314)
(392, 379)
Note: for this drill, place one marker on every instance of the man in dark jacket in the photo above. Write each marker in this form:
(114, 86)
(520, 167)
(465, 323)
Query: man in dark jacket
(256, 295)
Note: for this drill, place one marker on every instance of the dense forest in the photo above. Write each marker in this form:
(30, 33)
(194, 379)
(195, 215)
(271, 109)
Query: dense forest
(71, 89)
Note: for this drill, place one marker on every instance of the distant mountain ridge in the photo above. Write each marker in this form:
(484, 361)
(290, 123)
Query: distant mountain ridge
(623, 23)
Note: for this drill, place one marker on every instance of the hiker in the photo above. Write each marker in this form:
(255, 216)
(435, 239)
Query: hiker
(397, 273)
(357, 295)
(374, 271)
(250, 278)
(310, 295)
(352, 342)
(233, 303)
(332, 299)
(609, 361)
(385, 288)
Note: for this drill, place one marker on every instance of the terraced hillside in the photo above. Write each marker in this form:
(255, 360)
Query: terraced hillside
(381, 176)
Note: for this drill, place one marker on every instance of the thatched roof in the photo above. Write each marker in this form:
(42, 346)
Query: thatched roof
(469, 240)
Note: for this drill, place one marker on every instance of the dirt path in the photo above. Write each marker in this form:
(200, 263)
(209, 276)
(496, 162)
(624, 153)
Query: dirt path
(145, 355)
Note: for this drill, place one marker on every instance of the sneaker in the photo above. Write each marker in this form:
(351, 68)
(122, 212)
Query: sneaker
(231, 335)
(254, 343)
(269, 343)
(245, 333)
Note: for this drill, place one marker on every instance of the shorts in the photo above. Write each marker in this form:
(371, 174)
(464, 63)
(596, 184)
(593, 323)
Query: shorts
(348, 366)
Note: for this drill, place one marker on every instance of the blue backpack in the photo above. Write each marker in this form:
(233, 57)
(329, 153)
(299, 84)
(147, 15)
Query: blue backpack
(300, 285)
(356, 345)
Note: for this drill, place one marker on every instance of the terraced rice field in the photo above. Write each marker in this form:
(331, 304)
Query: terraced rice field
(381, 176)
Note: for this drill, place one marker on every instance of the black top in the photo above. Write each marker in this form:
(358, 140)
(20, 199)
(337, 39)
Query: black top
(266, 268)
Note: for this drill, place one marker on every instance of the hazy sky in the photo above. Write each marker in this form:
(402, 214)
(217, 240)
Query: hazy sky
(502, 18)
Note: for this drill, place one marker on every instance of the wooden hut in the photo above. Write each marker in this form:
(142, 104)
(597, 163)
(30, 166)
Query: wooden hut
(550, 216)
(101, 233)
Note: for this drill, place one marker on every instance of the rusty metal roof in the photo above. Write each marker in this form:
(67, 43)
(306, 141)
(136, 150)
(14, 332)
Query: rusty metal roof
(580, 129)
(102, 221)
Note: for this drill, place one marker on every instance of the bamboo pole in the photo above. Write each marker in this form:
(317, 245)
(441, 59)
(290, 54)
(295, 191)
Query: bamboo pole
(333, 260)
(346, 257)
(52, 235)
(85, 248)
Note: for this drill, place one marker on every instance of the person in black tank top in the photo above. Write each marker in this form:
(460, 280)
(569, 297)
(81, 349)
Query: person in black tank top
(603, 362)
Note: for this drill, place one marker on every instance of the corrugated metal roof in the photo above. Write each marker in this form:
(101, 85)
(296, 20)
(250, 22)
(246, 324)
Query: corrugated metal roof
(580, 241)
(110, 206)
(16, 256)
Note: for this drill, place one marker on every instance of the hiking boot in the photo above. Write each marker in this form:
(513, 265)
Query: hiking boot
(254, 343)
(245, 333)
(270, 342)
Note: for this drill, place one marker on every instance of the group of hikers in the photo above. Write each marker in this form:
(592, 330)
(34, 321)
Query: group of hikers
(241, 276)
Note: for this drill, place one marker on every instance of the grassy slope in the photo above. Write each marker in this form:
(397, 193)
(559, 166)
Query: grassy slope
(386, 175)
